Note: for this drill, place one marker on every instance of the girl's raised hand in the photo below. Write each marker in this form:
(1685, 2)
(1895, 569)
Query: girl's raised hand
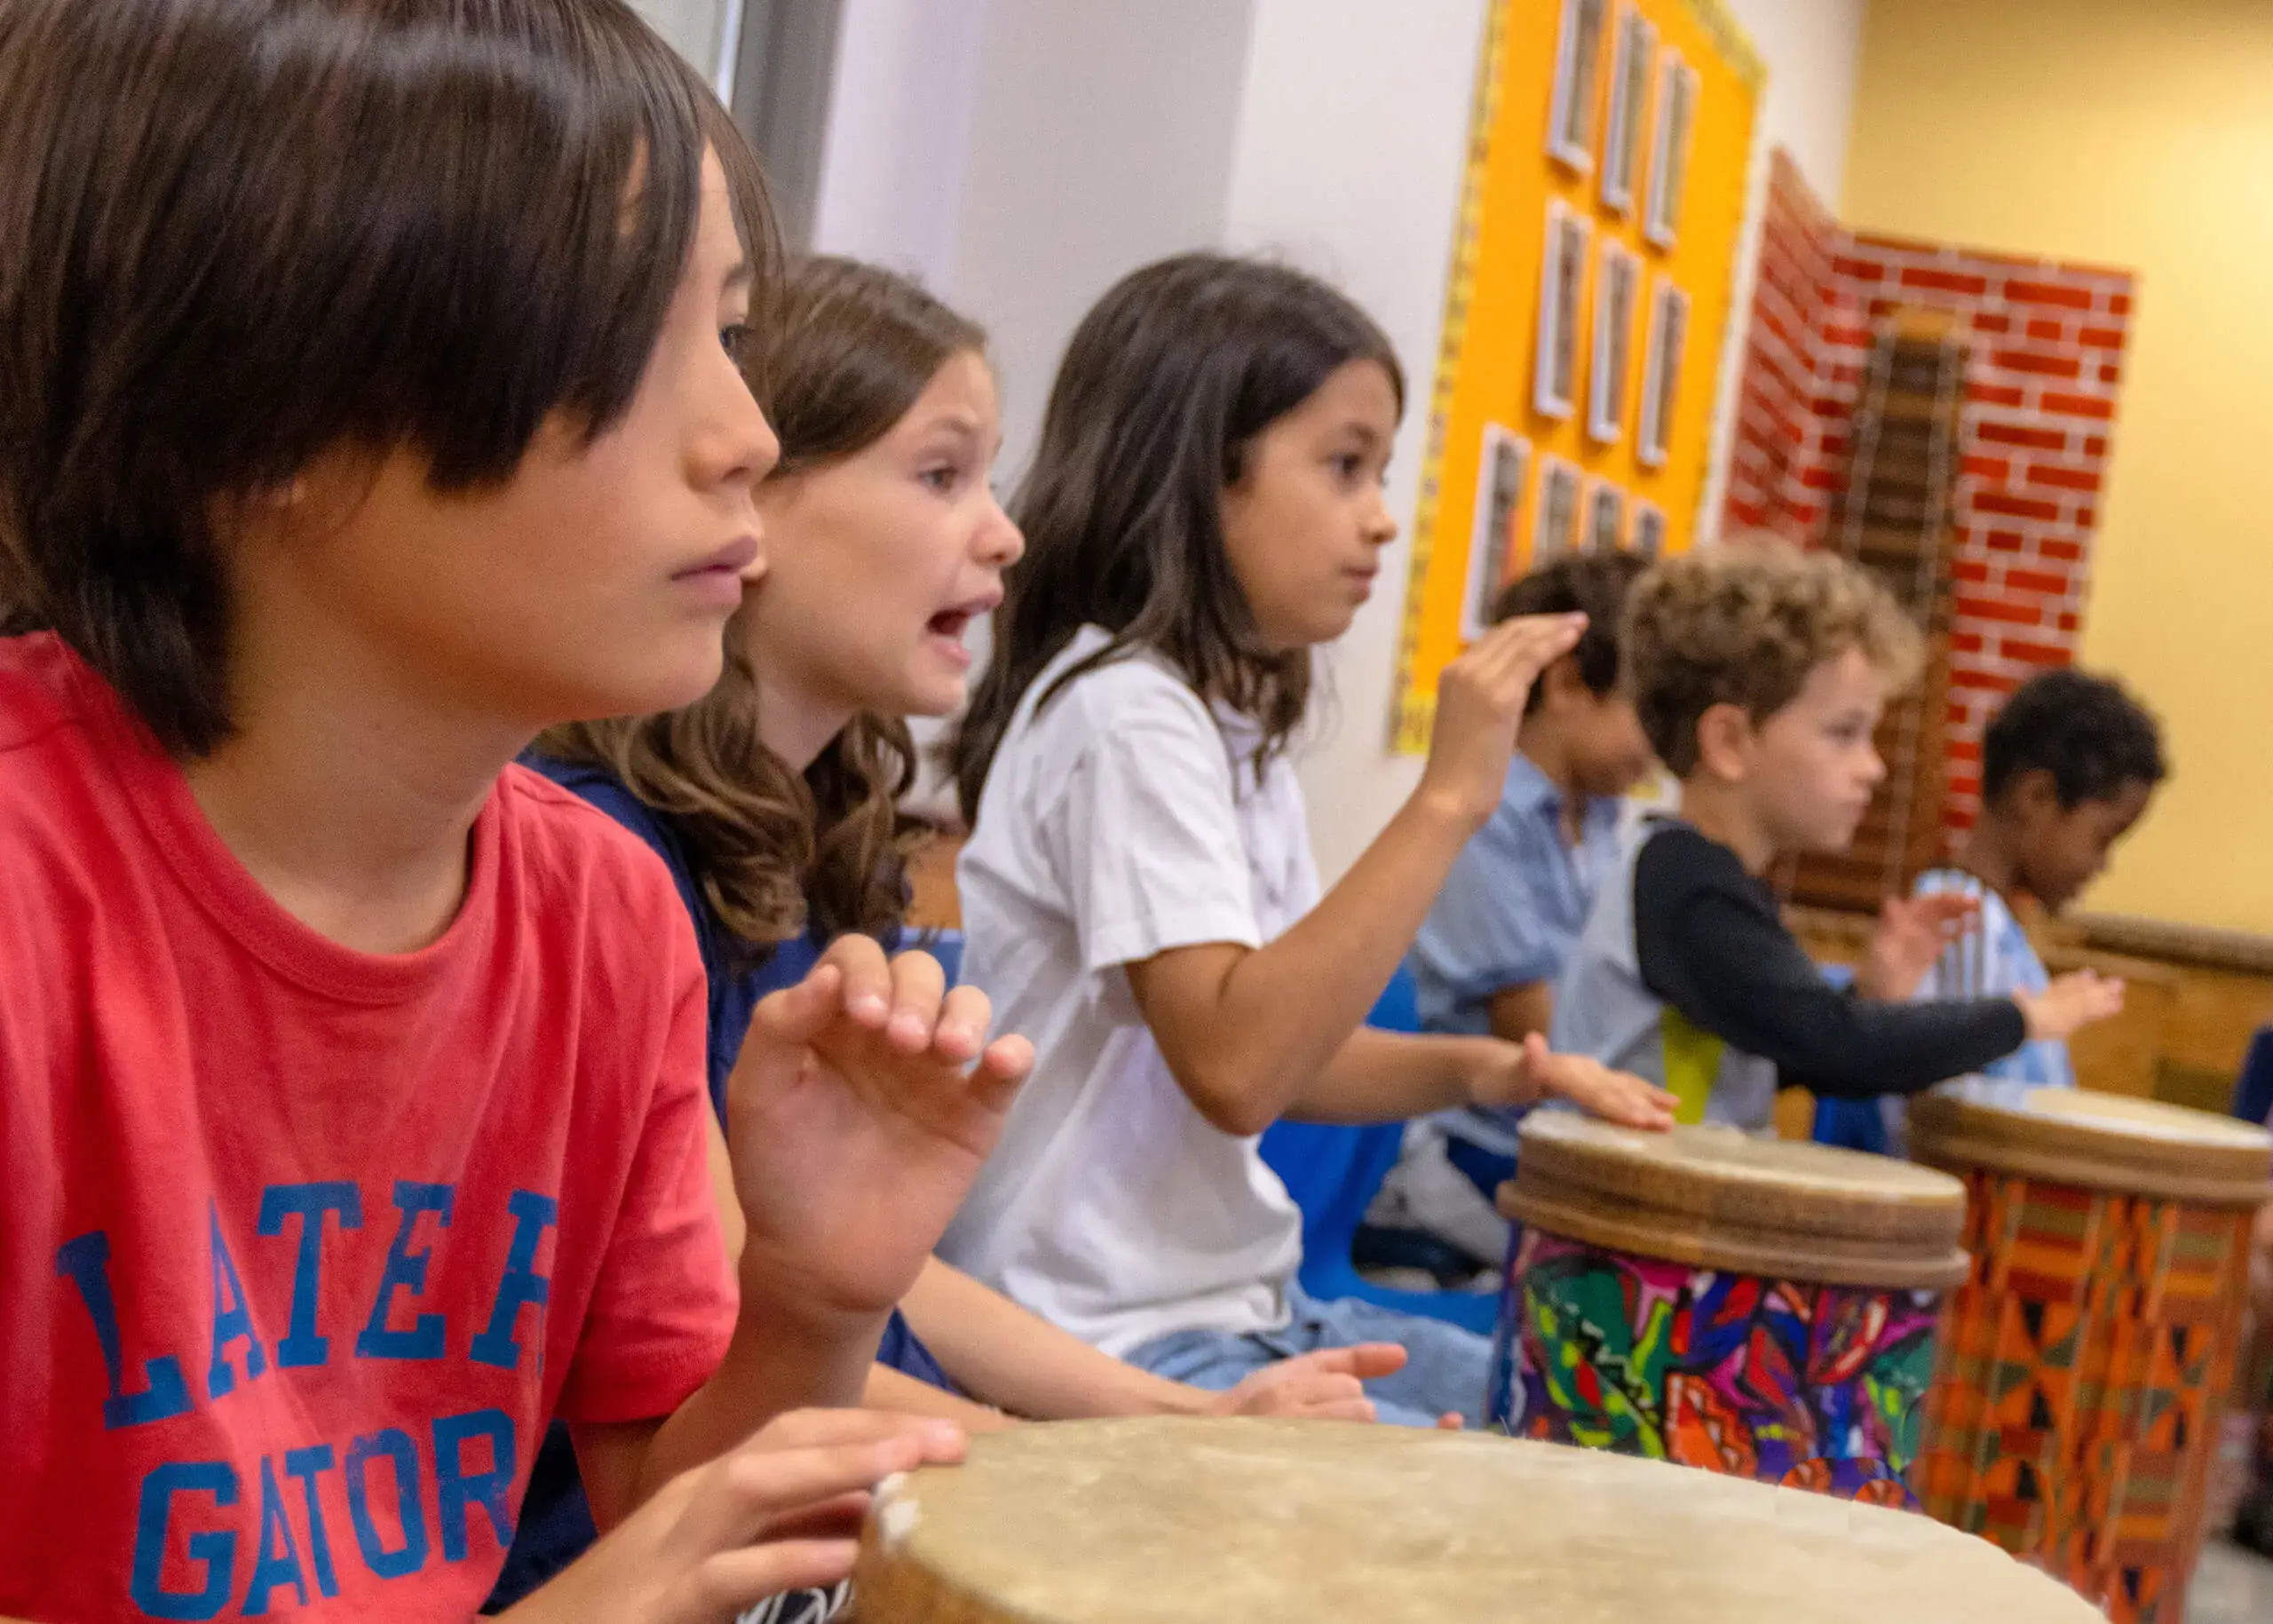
(863, 1102)
(1480, 700)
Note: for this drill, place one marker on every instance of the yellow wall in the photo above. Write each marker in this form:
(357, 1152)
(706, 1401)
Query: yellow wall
(2136, 134)
(1485, 373)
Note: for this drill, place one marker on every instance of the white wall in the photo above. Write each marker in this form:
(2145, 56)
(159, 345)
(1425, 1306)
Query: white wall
(896, 155)
(698, 28)
(1103, 141)
(1021, 155)
(1349, 161)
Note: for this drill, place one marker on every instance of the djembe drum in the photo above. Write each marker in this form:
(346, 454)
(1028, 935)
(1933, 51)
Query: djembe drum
(1289, 1522)
(2086, 1357)
(1750, 1306)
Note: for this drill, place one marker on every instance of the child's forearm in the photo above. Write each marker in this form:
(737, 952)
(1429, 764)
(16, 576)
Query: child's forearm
(902, 1394)
(1388, 1076)
(1021, 1363)
(1246, 1031)
(785, 1355)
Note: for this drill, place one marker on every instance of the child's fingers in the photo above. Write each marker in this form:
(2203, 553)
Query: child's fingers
(1358, 1409)
(1510, 667)
(741, 1493)
(1451, 1421)
(1945, 912)
(798, 1014)
(994, 1081)
(1365, 1360)
(1299, 1394)
(868, 979)
(963, 1020)
(732, 1581)
(1534, 640)
(917, 986)
(942, 1442)
(1649, 1107)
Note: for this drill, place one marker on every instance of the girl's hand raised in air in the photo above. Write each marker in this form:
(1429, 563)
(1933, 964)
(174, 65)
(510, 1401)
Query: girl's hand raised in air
(863, 1102)
(1532, 1072)
(1480, 699)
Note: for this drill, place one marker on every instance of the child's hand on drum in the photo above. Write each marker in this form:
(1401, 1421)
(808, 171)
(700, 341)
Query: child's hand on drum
(867, 1077)
(2070, 1004)
(1538, 1073)
(1327, 1385)
(1911, 935)
(780, 1512)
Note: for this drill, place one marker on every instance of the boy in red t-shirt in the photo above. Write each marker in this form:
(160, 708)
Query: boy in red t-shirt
(370, 402)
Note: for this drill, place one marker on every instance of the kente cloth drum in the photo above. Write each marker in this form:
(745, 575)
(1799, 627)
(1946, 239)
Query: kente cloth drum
(1291, 1522)
(2087, 1355)
(1750, 1306)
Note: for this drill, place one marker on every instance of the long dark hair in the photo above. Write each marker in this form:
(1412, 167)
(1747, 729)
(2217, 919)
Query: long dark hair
(1164, 388)
(843, 357)
(235, 235)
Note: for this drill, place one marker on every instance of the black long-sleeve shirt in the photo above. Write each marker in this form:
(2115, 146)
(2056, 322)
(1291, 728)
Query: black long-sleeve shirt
(1709, 941)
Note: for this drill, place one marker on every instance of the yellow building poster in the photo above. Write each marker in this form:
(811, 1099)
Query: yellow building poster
(1588, 305)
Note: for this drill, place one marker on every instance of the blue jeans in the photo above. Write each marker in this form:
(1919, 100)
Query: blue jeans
(1446, 1368)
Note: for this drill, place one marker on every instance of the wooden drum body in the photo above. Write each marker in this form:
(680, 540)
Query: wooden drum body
(2086, 1357)
(1753, 1307)
(1284, 1522)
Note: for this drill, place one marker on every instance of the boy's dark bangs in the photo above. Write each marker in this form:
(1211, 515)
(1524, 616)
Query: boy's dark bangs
(568, 141)
(389, 222)
(236, 234)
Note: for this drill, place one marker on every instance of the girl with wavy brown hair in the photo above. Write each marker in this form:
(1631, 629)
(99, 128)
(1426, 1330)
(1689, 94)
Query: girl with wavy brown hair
(775, 800)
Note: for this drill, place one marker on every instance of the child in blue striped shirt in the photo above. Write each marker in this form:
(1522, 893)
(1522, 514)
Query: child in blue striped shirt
(2067, 769)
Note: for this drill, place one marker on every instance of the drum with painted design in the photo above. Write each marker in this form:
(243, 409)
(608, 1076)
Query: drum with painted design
(1751, 1306)
(1289, 1522)
(2088, 1355)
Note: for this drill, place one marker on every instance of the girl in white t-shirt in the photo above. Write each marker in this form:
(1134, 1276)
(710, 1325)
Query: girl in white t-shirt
(1138, 897)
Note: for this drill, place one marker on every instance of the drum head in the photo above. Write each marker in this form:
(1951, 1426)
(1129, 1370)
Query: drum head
(2098, 1141)
(1171, 1522)
(1719, 1199)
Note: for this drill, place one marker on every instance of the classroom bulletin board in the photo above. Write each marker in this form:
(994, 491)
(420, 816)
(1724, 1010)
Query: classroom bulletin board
(1588, 306)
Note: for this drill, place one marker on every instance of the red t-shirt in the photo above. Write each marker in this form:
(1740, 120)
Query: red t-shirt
(300, 1246)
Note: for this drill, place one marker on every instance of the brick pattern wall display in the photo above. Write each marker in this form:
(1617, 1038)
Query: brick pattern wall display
(1893, 518)
(1777, 434)
(2042, 390)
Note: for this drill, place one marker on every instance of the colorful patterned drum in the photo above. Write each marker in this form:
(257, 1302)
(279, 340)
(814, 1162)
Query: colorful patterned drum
(1289, 1522)
(2087, 1356)
(1751, 1306)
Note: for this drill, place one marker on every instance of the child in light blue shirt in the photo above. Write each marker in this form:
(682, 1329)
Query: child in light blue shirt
(1502, 929)
(2067, 769)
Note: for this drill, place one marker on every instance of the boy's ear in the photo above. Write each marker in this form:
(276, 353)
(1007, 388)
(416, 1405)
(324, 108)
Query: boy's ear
(2034, 793)
(1724, 741)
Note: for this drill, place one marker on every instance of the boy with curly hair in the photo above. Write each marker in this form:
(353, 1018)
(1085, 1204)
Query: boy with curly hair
(1759, 675)
(2067, 768)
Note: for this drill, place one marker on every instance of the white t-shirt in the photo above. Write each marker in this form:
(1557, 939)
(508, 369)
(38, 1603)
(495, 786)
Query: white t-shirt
(1126, 819)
